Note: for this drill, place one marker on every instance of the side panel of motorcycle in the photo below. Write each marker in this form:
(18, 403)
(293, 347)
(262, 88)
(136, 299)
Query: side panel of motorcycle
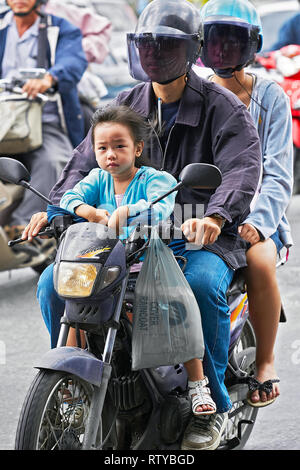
(238, 315)
(74, 361)
(167, 378)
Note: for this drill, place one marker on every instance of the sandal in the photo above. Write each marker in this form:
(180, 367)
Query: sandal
(266, 387)
(200, 395)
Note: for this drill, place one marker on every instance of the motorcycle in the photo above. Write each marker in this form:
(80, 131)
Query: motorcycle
(283, 66)
(90, 398)
(38, 255)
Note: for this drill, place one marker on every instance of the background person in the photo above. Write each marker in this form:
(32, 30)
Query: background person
(63, 129)
(96, 34)
(95, 29)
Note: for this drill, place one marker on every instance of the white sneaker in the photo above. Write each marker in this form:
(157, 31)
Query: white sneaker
(204, 432)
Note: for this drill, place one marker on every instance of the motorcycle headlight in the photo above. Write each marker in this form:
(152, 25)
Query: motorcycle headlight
(76, 279)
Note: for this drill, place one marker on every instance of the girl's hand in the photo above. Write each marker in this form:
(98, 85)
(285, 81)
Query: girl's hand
(101, 216)
(201, 231)
(119, 218)
(98, 216)
(249, 233)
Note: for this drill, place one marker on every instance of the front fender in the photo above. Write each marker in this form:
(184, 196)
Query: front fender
(76, 361)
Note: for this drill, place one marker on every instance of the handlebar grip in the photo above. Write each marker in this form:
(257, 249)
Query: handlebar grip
(48, 232)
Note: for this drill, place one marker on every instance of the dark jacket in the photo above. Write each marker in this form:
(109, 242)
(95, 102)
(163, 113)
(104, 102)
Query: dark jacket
(70, 64)
(212, 126)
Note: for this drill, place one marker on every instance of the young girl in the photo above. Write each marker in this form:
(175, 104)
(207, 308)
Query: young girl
(122, 188)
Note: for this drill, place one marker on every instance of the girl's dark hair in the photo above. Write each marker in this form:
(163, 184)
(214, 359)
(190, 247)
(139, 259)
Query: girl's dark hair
(139, 128)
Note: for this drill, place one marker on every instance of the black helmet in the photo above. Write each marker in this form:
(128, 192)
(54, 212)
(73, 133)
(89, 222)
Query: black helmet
(36, 5)
(166, 42)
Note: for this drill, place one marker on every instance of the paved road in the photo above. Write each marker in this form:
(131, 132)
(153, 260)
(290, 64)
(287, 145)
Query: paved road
(23, 338)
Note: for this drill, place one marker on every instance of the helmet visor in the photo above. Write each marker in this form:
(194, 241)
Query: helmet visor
(228, 45)
(161, 58)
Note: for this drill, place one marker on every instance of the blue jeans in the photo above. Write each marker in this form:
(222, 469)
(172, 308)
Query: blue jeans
(209, 277)
(52, 306)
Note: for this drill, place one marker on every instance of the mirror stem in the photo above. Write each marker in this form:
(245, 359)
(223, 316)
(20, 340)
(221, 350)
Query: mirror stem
(35, 191)
(178, 185)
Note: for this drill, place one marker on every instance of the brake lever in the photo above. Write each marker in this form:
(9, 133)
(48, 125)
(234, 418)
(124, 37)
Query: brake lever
(49, 232)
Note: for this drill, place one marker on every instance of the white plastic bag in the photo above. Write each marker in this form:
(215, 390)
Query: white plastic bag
(167, 327)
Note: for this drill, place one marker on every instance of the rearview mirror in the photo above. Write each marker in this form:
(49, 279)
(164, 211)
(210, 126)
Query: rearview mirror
(200, 176)
(13, 171)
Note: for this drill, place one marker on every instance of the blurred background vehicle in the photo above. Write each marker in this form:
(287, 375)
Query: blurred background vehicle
(273, 14)
(114, 70)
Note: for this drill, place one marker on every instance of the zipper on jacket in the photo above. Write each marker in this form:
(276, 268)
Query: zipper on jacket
(165, 152)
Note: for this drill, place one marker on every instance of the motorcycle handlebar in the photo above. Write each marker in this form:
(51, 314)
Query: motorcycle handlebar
(166, 230)
(15, 86)
(49, 232)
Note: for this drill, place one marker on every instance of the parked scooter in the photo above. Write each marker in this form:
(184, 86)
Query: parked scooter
(90, 398)
(40, 254)
(283, 66)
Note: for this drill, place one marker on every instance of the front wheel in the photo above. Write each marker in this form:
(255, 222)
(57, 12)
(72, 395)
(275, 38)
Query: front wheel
(55, 412)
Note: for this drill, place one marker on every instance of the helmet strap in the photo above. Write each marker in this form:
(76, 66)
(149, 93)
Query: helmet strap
(229, 72)
(171, 80)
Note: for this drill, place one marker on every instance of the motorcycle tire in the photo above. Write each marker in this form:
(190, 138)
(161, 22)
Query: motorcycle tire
(51, 418)
(242, 416)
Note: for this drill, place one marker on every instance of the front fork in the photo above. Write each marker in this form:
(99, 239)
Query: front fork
(93, 422)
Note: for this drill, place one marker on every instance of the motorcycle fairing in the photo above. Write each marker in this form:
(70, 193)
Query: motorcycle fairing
(87, 239)
(75, 361)
(91, 314)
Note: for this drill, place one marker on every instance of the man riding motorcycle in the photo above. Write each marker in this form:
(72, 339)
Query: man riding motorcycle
(23, 45)
(199, 123)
